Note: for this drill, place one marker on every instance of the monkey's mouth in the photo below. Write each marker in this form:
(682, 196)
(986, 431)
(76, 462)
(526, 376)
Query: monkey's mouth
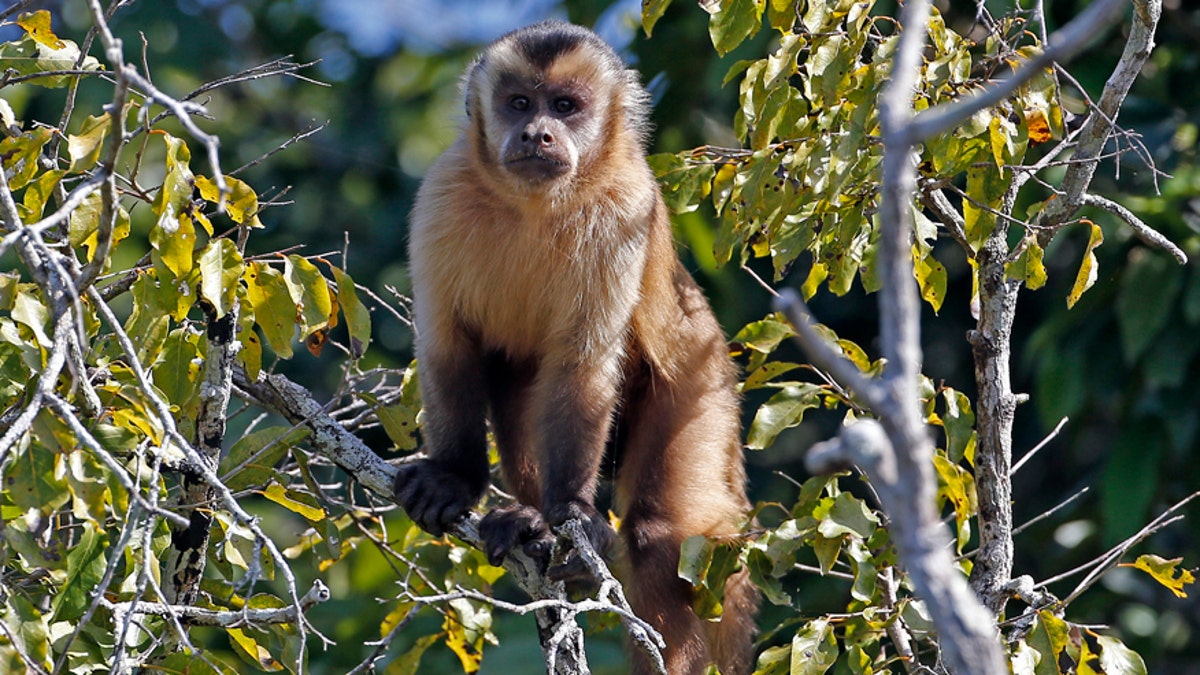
(536, 166)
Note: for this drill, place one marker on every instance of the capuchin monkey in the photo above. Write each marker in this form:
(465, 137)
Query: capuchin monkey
(549, 300)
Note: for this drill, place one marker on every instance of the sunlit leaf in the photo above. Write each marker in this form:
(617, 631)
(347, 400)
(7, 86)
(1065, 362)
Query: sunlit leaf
(783, 410)
(274, 309)
(84, 147)
(358, 317)
(732, 21)
(310, 293)
(249, 649)
(241, 203)
(37, 26)
(31, 56)
(220, 267)
(1088, 268)
(814, 649)
(294, 502)
(1117, 659)
(1165, 572)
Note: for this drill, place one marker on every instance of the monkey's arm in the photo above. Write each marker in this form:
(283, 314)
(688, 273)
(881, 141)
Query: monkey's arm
(438, 490)
(576, 406)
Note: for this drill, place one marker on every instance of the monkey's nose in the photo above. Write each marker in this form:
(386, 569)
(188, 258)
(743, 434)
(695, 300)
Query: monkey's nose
(539, 136)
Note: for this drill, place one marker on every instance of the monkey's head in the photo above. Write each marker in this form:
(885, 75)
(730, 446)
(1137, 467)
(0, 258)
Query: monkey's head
(547, 102)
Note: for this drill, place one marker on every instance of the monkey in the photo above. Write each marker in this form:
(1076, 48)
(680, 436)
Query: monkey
(549, 301)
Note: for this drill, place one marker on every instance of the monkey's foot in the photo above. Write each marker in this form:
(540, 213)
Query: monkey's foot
(434, 497)
(599, 533)
(508, 527)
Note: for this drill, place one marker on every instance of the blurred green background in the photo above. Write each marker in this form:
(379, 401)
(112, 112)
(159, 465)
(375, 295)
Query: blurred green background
(1121, 365)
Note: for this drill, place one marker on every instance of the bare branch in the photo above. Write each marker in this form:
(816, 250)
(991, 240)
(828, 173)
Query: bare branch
(1096, 130)
(1147, 234)
(1049, 437)
(199, 616)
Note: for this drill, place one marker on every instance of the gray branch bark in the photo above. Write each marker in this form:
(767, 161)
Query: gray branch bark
(561, 637)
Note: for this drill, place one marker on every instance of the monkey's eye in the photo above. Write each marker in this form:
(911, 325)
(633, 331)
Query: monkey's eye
(563, 106)
(519, 103)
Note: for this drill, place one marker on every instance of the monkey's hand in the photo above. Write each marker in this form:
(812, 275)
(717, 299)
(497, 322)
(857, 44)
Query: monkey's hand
(599, 533)
(508, 527)
(433, 496)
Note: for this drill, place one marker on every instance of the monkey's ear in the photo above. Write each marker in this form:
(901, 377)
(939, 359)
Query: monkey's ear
(469, 84)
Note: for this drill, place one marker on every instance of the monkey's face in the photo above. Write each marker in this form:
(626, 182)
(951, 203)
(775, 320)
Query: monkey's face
(541, 129)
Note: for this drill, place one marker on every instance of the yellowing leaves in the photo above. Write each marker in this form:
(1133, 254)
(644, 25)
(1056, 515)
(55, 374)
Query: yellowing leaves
(37, 26)
(1165, 572)
(241, 203)
(1088, 268)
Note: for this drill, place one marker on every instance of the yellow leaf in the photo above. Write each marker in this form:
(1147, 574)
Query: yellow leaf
(250, 649)
(278, 494)
(84, 147)
(1164, 572)
(37, 25)
(241, 203)
(1087, 268)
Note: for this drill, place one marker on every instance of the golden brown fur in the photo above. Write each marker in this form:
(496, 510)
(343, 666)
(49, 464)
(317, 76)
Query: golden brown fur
(550, 299)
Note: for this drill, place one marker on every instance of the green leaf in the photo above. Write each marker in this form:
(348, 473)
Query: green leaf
(1164, 572)
(958, 421)
(1117, 659)
(174, 235)
(783, 410)
(310, 293)
(1028, 266)
(274, 309)
(732, 21)
(252, 459)
(957, 485)
(85, 569)
(31, 481)
(29, 311)
(177, 373)
(39, 192)
(400, 423)
(765, 335)
(221, 268)
(1087, 269)
(84, 227)
(1048, 639)
(358, 317)
(31, 56)
(848, 515)
(814, 649)
(20, 153)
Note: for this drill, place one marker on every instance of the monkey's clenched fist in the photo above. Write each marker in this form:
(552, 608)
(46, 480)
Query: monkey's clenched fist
(433, 496)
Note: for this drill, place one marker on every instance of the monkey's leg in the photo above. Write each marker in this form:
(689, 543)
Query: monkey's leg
(681, 475)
